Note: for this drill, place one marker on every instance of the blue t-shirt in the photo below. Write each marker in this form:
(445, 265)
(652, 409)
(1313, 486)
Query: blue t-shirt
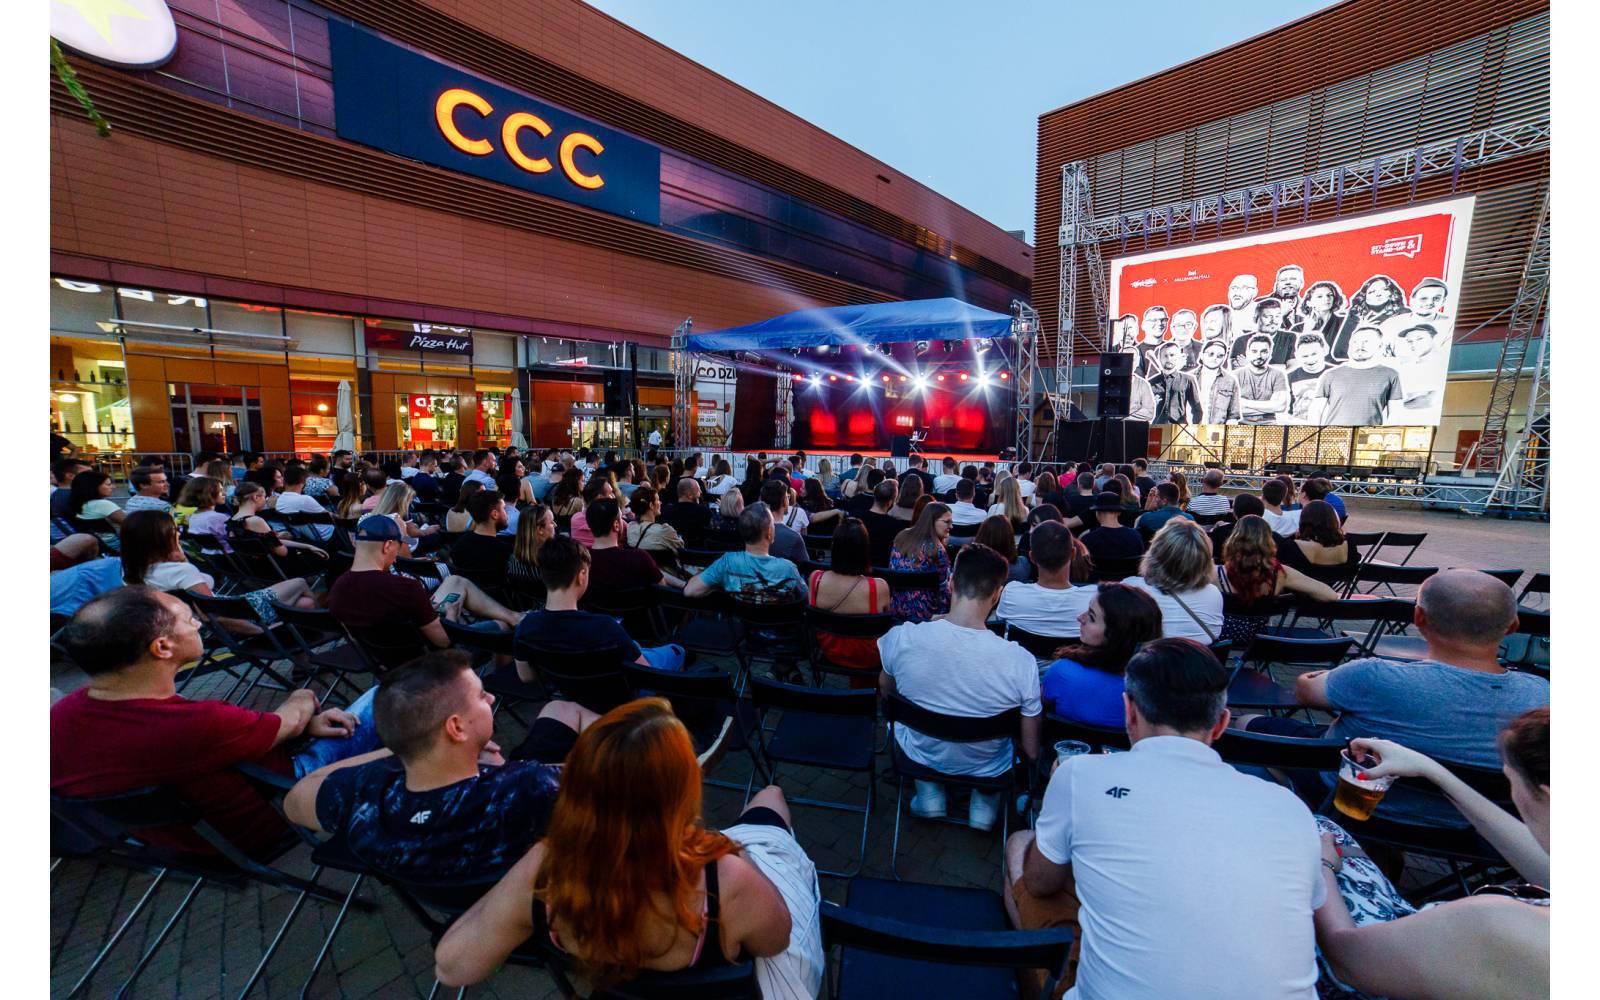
(472, 829)
(757, 579)
(1083, 694)
(1336, 503)
(1443, 711)
(575, 632)
(75, 586)
(1152, 521)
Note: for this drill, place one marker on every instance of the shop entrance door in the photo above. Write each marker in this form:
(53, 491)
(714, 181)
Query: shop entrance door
(220, 429)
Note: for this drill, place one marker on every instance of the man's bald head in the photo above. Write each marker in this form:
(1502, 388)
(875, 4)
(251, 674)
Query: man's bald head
(1467, 607)
(688, 490)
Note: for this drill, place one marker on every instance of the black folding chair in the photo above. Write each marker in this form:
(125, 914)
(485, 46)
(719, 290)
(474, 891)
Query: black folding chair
(389, 646)
(493, 652)
(1533, 627)
(635, 607)
(703, 626)
(593, 678)
(1383, 615)
(113, 824)
(1538, 585)
(1246, 749)
(1509, 577)
(1111, 570)
(1410, 541)
(910, 939)
(1367, 543)
(775, 633)
(1389, 577)
(1043, 647)
(251, 659)
(902, 711)
(1252, 684)
(718, 718)
(819, 622)
(314, 637)
(828, 729)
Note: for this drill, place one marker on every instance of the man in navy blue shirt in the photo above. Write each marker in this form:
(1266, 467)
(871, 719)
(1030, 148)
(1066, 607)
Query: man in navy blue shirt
(440, 801)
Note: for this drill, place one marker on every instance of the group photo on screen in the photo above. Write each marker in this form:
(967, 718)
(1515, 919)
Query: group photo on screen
(1336, 324)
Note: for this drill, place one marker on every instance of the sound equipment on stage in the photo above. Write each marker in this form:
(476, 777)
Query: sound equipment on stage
(900, 446)
(1107, 439)
(618, 392)
(1116, 384)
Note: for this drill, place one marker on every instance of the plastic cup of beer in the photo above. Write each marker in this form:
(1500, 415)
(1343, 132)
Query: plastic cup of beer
(1357, 796)
(1071, 748)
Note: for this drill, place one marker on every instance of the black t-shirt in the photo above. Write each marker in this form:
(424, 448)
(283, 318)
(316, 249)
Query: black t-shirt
(1220, 533)
(476, 828)
(857, 505)
(1145, 484)
(690, 519)
(576, 632)
(1079, 506)
(881, 531)
(426, 487)
(450, 487)
(1113, 543)
(482, 557)
(59, 502)
(618, 568)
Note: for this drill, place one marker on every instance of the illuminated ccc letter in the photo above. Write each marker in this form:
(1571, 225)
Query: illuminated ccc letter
(576, 176)
(444, 113)
(508, 135)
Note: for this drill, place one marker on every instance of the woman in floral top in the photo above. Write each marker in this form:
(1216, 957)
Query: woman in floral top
(921, 549)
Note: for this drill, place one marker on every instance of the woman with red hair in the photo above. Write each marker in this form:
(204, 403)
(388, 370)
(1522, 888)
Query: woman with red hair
(628, 879)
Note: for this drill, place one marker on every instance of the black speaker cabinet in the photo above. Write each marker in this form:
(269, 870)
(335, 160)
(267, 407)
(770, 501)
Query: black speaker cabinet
(618, 392)
(1104, 440)
(900, 446)
(1116, 384)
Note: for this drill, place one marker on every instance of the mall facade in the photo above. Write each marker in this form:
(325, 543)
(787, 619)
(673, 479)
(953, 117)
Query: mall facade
(439, 205)
(1356, 81)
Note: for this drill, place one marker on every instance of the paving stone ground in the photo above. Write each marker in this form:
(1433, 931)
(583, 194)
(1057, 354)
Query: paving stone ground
(383, 952)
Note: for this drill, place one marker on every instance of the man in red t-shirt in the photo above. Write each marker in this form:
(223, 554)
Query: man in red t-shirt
(130, 728)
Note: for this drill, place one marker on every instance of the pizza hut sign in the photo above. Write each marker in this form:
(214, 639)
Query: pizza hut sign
(427, 337)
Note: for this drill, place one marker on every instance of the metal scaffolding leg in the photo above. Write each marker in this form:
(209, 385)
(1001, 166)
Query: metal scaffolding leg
(683, 364)
(1025, 330)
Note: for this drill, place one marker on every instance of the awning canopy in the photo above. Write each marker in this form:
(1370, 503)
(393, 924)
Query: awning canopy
(877, 323)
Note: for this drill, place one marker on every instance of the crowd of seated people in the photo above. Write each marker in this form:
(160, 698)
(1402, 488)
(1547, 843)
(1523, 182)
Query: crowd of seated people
(531, 538)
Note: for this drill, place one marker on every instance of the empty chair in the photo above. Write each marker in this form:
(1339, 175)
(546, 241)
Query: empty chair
(592, 678)
(1252, 684)
(706, 702)
(314, 636)
(1375, 575)
(1366, 542)
(1410, 541)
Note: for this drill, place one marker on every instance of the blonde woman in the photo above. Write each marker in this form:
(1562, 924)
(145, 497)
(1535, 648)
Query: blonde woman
(859, 483)
(536, 526)
(1008, 503)
(395, 501)
(728, 510)
(1181, 481)
(825, 477)
(1177, 570)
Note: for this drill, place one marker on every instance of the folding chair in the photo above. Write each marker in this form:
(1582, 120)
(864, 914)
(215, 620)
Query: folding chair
(910, 939)
(1367, 543)
(1242, 748)
(1388, 577)
(1532, 636)
(1383, 614)
(113, 822)
(389, 647)
(1411, 542)
(709, 707)
(902, 711)
(1252, 684)
(499, 678)
(1538, 585)
(844, 626)
(257, 655)
(832, 730)
(635, 606)
(772, 632)
(313, 636)
(593, 678)
(1109, 570)
(900, 580)
(703, 626)
(1509, 577)
(1043, 647)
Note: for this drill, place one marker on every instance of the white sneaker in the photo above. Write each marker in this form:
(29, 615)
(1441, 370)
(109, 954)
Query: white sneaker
(983, 810)
(929, 800)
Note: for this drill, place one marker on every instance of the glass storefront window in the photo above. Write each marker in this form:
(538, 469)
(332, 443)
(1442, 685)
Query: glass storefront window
(494, 418)
(314, 407)
(89, 403)
(222, 418)
(427, 421)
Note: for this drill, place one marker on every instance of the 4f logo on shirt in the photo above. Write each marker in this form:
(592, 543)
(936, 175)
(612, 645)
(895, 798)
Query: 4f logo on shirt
(422, 817)
(1117, 791)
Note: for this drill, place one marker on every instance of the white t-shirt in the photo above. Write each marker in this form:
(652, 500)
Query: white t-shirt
(943, 484)
(299, 503)
(1195, 880)
(1285, 524)
(479, 476)
(797, 519)
(959, 671)
(1206, 603)
(175, 576)
(718, 485)
(1043, 611)
(962, 512)
(997, 508)
(407, 471)
(655, 438)
(1026, 488)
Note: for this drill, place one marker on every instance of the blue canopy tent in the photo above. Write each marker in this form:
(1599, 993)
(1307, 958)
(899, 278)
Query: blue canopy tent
(874, 323)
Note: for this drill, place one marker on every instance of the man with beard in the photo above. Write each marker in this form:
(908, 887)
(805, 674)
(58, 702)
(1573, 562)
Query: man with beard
(1184, 325)
(1219, 391)
(1213, 326)
(1291, 278)
(1154, 326)
(1427, 306)
(1241, 294)
(1177, 394)
(1421, 353)
(1311, 360)
(1267, 321)
(1263, 390)
(1357, 393)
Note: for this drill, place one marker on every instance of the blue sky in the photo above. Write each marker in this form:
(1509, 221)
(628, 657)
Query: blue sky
(947, 92)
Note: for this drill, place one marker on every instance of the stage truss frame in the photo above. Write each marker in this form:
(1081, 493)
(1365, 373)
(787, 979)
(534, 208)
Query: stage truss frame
(1522, 485)
(683, 367)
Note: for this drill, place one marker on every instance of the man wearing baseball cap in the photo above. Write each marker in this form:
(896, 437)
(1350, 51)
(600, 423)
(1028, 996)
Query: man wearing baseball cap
(1109, 539)
(369, 598)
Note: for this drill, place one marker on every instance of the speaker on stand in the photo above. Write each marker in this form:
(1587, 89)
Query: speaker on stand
(1116, 384)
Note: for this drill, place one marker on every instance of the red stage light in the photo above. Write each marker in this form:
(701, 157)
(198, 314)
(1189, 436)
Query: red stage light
(902, 378)
(833, 378)
(799, 377)
(886, 378)
(940, 378)
(962, 376)
(1005, 375)
(849, 378)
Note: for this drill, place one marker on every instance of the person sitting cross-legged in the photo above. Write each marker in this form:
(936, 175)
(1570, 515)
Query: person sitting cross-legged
(561, 626)
(369, 597)
(955, 666)
(1451, 705)
(1182, 876)
(439, 801)
(130, 729)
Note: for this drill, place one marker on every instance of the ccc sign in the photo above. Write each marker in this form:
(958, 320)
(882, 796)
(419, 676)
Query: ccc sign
(511, 137)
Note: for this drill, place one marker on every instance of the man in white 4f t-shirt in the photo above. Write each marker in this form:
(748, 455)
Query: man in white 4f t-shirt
(956, 666)
(1187, 878)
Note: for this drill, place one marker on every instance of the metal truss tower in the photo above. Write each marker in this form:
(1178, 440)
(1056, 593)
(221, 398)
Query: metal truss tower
(1524, 468)
(1075, 241)
(683, 365)
(1025, 329)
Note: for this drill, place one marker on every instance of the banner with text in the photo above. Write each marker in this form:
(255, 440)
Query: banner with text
(1345, 323)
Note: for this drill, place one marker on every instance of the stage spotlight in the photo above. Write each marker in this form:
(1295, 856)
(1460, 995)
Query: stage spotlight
(940, 376)
(963, 376)
(799, 377)
(849, 378)
(920, 382)
(1005, 375)
(816, 379)
(902, 378)
(886, 378)
(983, 381)
(833, 378)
